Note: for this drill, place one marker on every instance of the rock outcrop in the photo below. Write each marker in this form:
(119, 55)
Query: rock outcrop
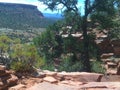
(6, 78)
(73, 81)
(49, 80)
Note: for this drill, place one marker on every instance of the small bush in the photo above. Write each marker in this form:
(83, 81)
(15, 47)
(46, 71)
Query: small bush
(97, 67)
(69, 65)
(48, 67)
(20, 66)
(24, 57)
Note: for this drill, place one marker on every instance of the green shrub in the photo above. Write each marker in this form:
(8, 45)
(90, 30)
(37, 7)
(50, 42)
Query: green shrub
(20, 66)
(24, 57)
(69, 65)
(48, 67)
(97, 67)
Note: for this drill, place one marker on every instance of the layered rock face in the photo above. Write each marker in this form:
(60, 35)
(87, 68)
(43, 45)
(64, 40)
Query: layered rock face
(6, 78)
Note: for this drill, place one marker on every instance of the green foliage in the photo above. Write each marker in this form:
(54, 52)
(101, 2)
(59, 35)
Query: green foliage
(93, 47)
(100, 11)
(114, 32)
(69, 65)
(72, 45)
(19, 66)
(4, 43)
(104, 20)
(97, 67)
(56, 27)
(52, 4)
(24, 57)
(69, 44)
(20, 57)
(104, 13)
(72, 19)
(46, 43)
(49, 66)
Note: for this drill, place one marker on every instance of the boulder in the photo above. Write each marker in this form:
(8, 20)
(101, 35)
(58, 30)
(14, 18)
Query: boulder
(50, 79)
(12, 81)
(2, 68)
(6, 78)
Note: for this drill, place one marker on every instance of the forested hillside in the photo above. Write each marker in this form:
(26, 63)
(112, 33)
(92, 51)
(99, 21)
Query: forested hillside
(21, 16)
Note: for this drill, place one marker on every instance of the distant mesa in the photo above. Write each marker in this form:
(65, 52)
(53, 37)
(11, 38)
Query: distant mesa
(22, 16)
(18, 5)
(18, 8)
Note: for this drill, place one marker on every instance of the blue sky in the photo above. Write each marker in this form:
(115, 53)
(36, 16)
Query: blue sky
(40, 5)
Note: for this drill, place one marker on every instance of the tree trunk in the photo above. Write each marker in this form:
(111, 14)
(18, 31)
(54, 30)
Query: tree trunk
(86, 60)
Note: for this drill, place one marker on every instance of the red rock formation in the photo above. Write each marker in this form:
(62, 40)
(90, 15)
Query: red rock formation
(6, 78)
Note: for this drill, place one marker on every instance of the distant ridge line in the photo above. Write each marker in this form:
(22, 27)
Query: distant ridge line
(17, 4)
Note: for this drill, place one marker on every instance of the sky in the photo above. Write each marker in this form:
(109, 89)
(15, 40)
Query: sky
(40, 5)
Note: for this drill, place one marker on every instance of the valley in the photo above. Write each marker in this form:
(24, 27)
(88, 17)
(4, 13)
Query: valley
(25, 36)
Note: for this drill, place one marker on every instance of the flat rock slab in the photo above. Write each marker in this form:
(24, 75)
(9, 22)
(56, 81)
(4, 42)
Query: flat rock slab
(102, 85)
(49, 86)
(88, 86)
(81, 76)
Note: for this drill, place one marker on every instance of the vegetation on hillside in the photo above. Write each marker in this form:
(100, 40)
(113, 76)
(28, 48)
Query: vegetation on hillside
(17, 56)
(22, 17)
